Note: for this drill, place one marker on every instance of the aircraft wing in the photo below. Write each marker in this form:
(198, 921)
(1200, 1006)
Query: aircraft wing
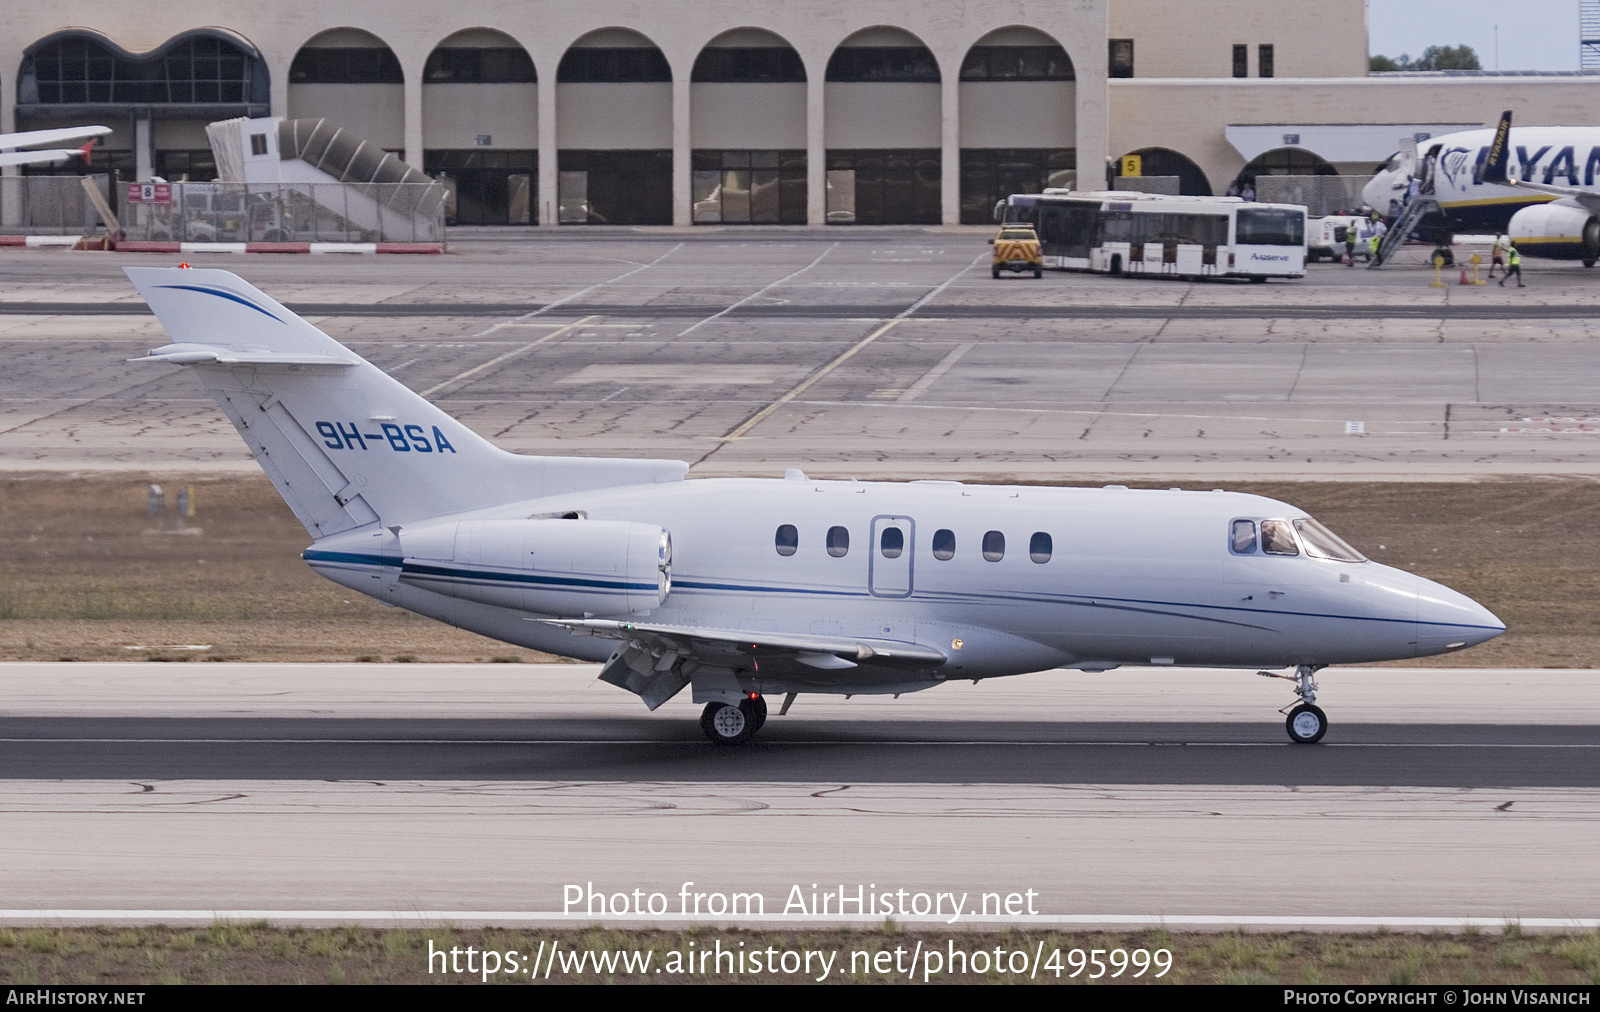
(656, 660)
(30, 137)
(37, 157)
(719, 645)
(1589, 199)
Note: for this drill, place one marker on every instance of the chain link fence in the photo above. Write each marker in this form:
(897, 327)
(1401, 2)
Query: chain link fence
(49, 205)
(291, 212)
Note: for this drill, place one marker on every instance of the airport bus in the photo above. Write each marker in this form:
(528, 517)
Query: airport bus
(1123, 232)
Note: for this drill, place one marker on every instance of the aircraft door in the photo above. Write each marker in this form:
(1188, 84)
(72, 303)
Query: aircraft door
(889, 568)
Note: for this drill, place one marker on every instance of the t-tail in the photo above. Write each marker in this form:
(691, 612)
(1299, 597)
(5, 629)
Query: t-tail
(346, 444)
(1493, 169)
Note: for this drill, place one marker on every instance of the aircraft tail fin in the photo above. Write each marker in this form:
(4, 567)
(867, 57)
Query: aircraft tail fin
(346, 444)
(1493, 169)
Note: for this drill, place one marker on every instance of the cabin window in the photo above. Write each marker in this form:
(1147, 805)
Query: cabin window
(1039, 547)
(1277, 538)
(1322, 543)
(994, 546)
(944, 545)
(1244, 537)
(892, 542)
(838, 542)
(787, 539)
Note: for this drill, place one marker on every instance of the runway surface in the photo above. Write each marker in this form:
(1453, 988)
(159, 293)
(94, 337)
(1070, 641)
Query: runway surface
(376, 791)
(885, 355)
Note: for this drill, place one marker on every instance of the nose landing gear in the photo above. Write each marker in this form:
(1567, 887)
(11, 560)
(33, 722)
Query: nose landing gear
(1306, 723)
(729, 724)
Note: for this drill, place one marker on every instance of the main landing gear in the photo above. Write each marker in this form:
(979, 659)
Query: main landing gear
(730, 724)
(1306, 723)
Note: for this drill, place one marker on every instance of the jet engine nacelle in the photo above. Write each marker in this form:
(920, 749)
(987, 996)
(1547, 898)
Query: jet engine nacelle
(1558, 231)
(565, 568)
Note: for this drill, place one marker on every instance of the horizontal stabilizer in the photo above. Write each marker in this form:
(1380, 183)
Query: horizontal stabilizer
(346, 444)
(194, 354)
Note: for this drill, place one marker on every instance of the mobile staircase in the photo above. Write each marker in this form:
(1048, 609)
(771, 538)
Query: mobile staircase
(1419, 208)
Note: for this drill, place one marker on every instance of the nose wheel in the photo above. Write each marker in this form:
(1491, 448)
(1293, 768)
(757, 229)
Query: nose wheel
(733, 724)
(1306, 723)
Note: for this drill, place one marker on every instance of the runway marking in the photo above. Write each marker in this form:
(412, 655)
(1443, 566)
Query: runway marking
(758, 293)
(513, 353)
(806, 384)
(931, 377)
(554, 917)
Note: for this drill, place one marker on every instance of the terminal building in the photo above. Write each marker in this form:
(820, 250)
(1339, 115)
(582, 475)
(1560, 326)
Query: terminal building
(806, 112)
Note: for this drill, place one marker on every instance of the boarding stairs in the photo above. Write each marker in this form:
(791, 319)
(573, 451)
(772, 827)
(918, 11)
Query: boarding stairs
(1419, 208)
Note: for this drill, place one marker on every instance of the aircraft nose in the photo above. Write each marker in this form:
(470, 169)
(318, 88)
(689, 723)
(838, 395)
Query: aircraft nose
(1448, 620)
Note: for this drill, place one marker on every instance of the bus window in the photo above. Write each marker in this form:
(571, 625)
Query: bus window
(1264, 226)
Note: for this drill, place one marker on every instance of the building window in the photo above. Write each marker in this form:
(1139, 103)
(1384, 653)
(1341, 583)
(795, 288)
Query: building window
(614, 187)
(1241, 61)
(357, 65)
(627, 65)
(1120, 61)
(895, 187)
(749, 187)
(201, 70)
(989, 175)
(498, 65)
(1264, 60)
(787, 539)
(1016, 63)
(838, 542)
(748, 65)
(876, 64)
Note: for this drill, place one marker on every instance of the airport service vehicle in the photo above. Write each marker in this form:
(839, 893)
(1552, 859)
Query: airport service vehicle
(1535, 184)
(1325, 237)
(740, 588)
(1016, 249)
(1123, 232)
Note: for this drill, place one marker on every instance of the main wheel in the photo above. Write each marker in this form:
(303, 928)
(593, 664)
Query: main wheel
(1257, 279)
(727, 724)
(1588, 261)
(994, 272)
(755, 711)
(1306, 724)
(1116, 263)
(1038, 272)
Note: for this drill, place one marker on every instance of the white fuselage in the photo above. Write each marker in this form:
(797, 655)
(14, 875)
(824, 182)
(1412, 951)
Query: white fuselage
(1131, 577)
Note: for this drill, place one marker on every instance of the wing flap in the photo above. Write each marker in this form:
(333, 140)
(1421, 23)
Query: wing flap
(721, 643)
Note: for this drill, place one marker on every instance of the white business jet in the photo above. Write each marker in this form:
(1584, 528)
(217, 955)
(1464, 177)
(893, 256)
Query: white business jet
(1547, 200)
(739, 588)
(28, 138)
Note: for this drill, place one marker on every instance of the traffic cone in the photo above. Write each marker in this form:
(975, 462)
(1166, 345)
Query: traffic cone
(1463, 280)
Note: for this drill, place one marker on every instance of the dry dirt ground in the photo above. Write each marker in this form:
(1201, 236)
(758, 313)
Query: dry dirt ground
(86, 574)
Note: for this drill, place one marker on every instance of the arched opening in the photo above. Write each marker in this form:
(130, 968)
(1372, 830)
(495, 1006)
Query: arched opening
(158, 102)
(1191, 178)
(480, 127)
(748, 120)
(1280, 162)
(352, 79)
(883, 130)
(614, 131)
(1018, 96)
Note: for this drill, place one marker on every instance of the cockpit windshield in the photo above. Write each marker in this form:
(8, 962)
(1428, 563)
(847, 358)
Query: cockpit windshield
(1321, 543)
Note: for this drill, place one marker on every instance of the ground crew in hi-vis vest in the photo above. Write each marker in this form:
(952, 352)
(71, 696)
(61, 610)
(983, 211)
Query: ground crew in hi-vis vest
(1372, 246)
(1513, 265)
